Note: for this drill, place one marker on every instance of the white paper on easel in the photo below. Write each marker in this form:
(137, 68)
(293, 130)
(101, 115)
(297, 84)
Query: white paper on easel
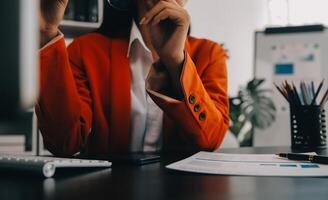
(248, 165)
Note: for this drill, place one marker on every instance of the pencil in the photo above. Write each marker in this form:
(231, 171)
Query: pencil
(293, 95)
(317, 93)
(281, 92)
(304, 93)
(312, 89)
(324, 99)
(310, 92)
(296, 94)
(290, 93)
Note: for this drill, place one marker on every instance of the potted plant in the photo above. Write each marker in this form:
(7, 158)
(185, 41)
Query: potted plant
(252, 108)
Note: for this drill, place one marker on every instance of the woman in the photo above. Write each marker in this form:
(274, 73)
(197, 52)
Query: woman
(138, 84)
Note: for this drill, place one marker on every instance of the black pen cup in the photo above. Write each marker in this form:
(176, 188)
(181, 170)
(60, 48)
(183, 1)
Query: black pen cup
(308, 127)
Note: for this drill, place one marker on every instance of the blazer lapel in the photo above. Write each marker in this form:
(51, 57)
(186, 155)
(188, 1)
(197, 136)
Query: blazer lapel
(120, 97)
(187, 45)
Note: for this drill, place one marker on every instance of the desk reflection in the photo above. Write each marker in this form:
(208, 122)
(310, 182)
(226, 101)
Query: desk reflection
(76, 187)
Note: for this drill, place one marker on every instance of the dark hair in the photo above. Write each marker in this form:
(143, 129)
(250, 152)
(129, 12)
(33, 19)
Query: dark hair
(116, 24)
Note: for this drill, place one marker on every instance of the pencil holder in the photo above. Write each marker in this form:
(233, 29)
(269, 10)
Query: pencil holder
(308, 127)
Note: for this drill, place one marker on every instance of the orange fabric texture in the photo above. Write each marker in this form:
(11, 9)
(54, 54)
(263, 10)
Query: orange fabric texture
(84, 102)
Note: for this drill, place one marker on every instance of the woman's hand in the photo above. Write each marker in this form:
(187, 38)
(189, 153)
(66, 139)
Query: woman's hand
(52, 12)
(169, 23)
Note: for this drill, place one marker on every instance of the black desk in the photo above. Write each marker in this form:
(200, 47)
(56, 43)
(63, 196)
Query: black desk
(154, 182)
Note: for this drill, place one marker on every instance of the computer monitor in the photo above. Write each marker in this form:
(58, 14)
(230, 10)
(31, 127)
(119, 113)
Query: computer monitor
(18, 56)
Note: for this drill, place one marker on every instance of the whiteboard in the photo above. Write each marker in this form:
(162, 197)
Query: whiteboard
(291, 56)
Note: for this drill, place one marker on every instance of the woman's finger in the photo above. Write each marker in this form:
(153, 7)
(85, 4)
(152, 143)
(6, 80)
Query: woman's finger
(172, 1)
(155, 10)
(167, 13)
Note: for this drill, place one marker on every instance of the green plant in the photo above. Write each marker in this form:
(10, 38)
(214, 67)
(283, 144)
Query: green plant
(252, 108)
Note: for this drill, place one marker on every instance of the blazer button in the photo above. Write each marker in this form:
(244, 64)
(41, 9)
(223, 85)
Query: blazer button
(197, 108)
(192, 99)
(202, 116)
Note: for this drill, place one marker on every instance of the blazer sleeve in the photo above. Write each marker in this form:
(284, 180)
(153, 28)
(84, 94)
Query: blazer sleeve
(203, 113)
(64, 107)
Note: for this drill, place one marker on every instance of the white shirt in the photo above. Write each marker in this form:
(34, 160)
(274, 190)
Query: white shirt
(146, 116)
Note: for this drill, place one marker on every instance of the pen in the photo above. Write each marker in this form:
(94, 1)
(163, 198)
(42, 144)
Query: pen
(304, 157)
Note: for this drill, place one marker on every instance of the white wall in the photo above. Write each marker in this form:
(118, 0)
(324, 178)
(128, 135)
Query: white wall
(233, 23)
(308, 11)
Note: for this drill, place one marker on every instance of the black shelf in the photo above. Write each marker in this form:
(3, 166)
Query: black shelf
(74, 28)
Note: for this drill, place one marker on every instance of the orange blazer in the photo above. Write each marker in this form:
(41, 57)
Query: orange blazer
(84, 102)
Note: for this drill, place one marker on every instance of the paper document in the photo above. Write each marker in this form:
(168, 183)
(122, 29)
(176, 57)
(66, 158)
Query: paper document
(248, 165)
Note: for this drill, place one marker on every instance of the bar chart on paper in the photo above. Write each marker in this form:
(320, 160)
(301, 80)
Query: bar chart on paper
(248, 165)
